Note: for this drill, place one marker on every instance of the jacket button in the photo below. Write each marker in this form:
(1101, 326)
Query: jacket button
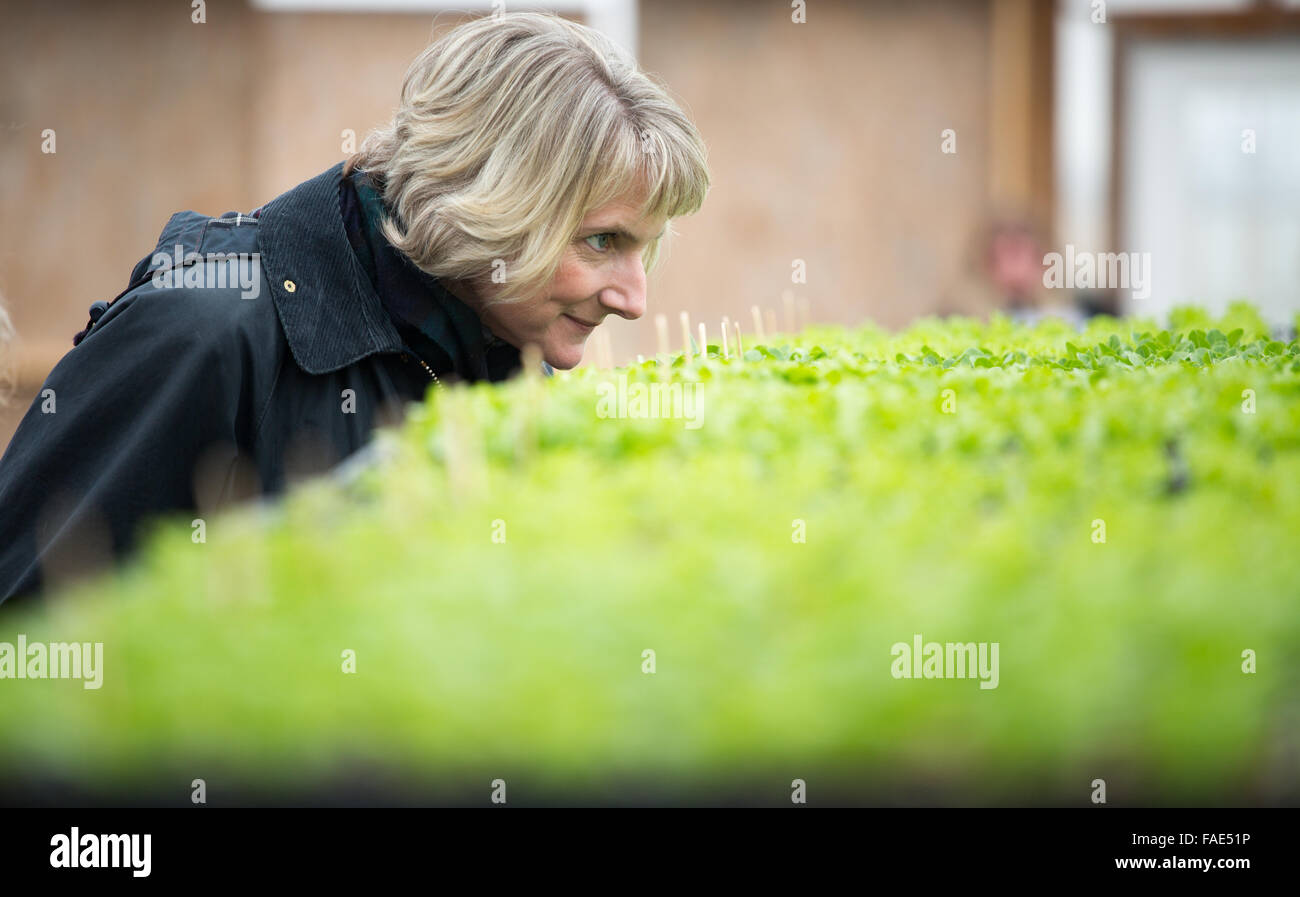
(290, 286)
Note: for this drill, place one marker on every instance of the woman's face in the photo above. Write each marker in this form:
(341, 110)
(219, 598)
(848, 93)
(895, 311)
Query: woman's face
(601, 273)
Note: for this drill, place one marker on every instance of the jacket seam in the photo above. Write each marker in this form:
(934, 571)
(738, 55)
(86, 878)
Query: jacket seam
(266, 405)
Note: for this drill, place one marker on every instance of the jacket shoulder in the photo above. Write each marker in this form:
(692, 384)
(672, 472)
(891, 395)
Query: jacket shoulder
(204, 274)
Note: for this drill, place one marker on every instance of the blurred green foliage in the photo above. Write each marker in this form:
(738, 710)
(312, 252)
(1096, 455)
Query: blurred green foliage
(965, 516)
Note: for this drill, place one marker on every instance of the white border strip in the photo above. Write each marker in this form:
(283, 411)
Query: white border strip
(617, 19)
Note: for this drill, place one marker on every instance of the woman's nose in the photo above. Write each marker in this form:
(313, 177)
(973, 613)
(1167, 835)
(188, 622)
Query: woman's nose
(625, 296)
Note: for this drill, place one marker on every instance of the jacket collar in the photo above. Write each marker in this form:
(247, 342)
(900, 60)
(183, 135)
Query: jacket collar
(331, 315)
(330, 312)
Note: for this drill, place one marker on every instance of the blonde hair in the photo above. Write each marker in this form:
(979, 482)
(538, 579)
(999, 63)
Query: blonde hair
(8, 379)
(510, 130)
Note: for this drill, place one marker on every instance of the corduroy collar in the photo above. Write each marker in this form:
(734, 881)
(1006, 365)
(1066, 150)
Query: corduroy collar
(329, 309)
(331, 315)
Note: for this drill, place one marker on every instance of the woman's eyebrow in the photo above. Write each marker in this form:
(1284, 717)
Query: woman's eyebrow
(631, 237)
(621, 232)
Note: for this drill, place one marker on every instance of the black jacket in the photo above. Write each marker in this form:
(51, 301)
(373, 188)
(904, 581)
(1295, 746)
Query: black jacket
(185, 394)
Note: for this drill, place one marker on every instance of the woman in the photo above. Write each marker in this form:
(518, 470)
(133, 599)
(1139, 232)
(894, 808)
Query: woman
(517, 199)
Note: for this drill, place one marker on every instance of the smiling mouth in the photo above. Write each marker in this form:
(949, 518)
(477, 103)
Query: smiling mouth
(587, 324)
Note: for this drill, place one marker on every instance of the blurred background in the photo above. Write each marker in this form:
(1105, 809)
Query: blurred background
(917, 157)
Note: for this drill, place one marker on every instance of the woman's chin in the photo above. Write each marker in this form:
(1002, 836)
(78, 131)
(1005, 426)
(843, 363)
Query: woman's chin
(566, 356)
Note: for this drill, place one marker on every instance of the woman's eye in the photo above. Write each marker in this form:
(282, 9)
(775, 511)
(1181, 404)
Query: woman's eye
(599, 237)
